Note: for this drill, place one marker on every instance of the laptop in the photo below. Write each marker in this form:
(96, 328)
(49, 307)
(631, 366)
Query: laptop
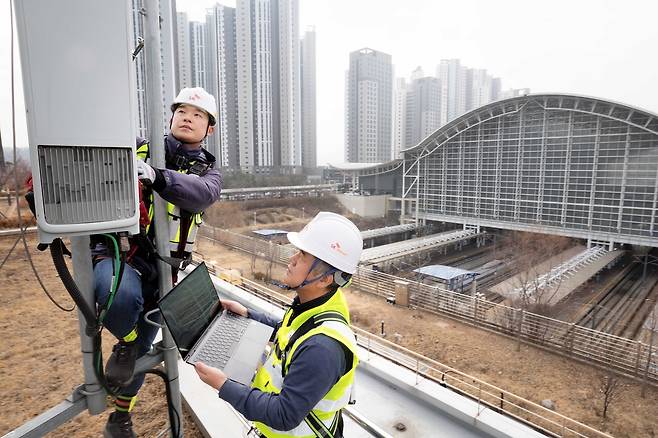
(206, 332)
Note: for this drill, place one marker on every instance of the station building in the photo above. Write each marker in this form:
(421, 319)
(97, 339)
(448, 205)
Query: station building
(549, 163)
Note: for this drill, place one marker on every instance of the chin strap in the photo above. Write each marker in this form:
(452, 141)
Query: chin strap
(306, 281)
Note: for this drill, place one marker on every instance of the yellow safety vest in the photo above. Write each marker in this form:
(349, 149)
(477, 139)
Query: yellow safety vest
(330, 319)
(174, 214)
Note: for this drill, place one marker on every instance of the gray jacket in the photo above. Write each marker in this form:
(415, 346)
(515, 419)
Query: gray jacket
(190, 192)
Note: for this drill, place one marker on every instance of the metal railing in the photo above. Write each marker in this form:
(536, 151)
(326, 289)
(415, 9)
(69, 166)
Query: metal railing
(486, 395)
(631, 358)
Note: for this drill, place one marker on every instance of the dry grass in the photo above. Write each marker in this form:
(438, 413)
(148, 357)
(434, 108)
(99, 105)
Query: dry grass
(14, 223)
(284, 213)
(237, 214)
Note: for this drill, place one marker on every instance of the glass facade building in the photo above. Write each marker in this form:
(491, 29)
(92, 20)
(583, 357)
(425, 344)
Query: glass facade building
(557, 164)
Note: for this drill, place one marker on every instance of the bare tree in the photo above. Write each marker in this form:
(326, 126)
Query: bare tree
(271, 257)
(529, 250)
(8, 179)
(610, 389)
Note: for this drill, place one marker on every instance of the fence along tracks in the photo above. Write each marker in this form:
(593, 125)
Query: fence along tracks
(631, 358)
(485, 394)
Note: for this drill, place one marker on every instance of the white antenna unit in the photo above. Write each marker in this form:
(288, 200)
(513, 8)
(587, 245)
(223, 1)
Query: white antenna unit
(80, 93)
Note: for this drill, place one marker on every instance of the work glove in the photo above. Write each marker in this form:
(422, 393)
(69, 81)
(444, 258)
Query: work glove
(145, 173)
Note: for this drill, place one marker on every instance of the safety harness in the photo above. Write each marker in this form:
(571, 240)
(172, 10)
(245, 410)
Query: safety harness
(306, 327)
(179, 257)
(331, 319)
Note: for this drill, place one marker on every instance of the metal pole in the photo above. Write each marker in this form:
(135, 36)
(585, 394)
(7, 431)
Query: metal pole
(494, 246)
(520, 313)
(154, 104)
(417, 369)
(649, 360)
(84, 277)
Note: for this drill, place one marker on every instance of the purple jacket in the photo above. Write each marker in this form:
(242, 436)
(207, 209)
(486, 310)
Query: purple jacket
(189, 192)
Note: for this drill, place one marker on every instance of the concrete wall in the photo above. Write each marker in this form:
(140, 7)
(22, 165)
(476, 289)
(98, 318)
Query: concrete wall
(365, 206)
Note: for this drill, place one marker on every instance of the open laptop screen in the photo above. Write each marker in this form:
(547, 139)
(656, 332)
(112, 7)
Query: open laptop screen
(190, 307)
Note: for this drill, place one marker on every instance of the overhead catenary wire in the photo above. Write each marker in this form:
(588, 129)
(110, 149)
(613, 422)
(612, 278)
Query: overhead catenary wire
(13, 133)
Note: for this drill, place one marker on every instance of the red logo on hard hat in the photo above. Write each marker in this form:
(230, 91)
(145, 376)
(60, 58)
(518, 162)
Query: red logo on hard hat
(336, 246)
(195, 97)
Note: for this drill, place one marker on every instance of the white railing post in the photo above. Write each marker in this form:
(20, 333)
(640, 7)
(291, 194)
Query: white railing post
(417, 369)
(521, 313)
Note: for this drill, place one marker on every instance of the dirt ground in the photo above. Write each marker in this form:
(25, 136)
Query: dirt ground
(282, 213)
(40, 356)
(40, 359)
(532, 373)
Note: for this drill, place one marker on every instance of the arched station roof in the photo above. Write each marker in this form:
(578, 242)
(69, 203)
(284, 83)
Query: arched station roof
(552, 163)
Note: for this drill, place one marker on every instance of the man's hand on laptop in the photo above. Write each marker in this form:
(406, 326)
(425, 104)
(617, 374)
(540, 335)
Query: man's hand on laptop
(235, 307)
(209, 375)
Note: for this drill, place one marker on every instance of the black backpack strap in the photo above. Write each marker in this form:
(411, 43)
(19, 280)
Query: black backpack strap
(316, 425)
(147, 245)
(319, 428)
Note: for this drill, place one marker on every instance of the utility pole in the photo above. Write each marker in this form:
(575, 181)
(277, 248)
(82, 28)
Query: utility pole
(154, 98)
(84, 278)
(2, 154)
(105, 81)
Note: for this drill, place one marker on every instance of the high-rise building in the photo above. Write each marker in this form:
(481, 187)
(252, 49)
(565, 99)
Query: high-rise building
(496, 89)
(464, 89)
(248, 57)
(287, 90)
(167, 64)
(453, 77)
(183, 50)
(197, 54)
(399, 116)
(246, 122)
(308, 108)
(480, 89)
(268, 83)
(263, 75)
(221, 78)
(422, 109)
(369, 102)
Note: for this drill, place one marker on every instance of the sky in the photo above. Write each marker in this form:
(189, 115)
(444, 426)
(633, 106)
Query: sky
(598, 48)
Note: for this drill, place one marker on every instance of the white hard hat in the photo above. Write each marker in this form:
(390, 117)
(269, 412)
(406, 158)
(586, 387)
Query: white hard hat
(331, 238)
(199, 98)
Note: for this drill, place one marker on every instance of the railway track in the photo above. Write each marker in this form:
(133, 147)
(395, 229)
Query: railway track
(620, 306)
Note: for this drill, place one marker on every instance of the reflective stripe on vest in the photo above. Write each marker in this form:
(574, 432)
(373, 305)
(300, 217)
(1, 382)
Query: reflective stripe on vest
(143, 152)
(196, 220)
(322, 421)
(173, 212)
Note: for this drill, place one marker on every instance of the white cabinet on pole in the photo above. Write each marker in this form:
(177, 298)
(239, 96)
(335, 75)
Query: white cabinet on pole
(80, 98)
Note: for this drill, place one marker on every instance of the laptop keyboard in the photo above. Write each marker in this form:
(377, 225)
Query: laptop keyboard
(217, 349)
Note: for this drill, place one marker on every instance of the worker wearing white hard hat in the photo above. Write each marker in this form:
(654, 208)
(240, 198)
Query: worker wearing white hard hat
(199, 98)
(308, 376)
(189, 183)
